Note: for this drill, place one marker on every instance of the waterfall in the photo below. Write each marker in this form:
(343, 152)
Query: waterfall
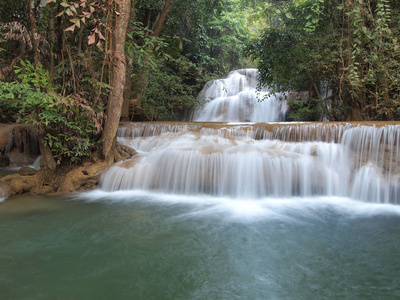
(251, 161)
(236, 99)
(22, 147)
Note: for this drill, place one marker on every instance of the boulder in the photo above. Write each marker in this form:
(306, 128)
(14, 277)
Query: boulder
(27, 171)
(123, 152)
(82, 178)
(22, 184)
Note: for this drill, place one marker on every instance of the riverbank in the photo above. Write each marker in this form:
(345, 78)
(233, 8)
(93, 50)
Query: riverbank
(77, 178)
(20, 172)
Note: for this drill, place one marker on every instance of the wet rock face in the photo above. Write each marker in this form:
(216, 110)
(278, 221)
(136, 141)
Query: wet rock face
(4, 160)
(19, 143)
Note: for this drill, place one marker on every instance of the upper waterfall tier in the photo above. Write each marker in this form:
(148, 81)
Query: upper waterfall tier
(236, 99)
(262, 160)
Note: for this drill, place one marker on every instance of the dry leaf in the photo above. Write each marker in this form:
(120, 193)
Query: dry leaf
(91, 38)
(100, 35)
(71, 28)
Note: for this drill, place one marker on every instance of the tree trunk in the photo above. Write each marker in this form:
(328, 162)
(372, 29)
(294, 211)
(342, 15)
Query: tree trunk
(355, 114)
(162, 17)
(34, 33)
(47, 161)
(117, 81)
(52, 42)
(128, 76)
(127, 94)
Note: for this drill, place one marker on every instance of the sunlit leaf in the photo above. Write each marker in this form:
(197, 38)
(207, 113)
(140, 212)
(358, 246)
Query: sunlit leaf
(69, 12)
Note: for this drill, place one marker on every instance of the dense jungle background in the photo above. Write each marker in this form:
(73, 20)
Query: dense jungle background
(76, 68)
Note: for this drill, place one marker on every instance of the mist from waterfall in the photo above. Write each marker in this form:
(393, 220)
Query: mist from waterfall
(237, 99)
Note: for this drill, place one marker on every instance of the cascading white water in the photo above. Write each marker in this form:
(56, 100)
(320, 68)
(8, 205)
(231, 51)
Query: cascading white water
(236, 99)
(361, 162)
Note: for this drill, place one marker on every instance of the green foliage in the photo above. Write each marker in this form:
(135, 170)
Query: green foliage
(349, 46)
(213, 33)
(39, 78)
(10, 92)
(305, 110)
(76, 48)
(172, 90)
(67, 124)
(143, 48)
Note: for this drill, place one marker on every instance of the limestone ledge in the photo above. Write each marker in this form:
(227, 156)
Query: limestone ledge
(81, 178)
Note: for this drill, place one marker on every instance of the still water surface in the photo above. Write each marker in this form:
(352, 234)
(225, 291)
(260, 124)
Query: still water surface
(136, 245)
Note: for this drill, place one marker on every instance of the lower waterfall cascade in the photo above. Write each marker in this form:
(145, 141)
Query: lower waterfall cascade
(253, 161)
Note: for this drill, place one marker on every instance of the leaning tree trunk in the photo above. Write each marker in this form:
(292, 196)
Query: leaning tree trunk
(117, 81)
